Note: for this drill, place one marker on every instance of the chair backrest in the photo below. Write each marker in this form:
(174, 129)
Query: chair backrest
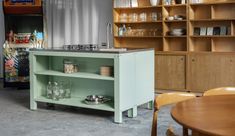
(170, 98)
(220, 91)
(165, 99)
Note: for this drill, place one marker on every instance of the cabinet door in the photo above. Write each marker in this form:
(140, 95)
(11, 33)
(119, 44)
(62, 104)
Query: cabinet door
(207, 71)
(170, 72)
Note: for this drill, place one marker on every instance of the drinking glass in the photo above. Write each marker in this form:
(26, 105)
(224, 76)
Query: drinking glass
(159, 15)
(143, 16)
(153, 16)
(133, 17)
(123, 17)
(129, 31)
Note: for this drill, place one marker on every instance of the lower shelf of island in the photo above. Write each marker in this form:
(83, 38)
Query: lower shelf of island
(78, 102)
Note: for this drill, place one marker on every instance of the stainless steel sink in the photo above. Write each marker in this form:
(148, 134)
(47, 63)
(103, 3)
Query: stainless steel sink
(114, 49)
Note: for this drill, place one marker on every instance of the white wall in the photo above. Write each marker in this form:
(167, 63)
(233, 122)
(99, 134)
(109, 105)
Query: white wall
(2, 37)
(107, 16)
(82, 23)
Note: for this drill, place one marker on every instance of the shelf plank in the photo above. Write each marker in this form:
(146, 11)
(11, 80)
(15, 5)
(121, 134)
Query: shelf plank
(170, 36)
(137, 8)
(78, 102)
(171, 52)
(139, 22)
(138, 36)
(212, 3)
(213, 36)
(169, 21)
(23, 8)
(207, 20)
(175, 5)
(75, 75)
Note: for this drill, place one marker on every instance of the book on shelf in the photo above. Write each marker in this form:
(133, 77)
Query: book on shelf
(134, 3)
(216, 31)
(223, 30)
(203, 31)
(196, 31)
(209, 31)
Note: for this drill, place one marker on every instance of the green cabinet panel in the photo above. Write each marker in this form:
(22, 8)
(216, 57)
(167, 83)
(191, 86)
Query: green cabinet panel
(131, 85)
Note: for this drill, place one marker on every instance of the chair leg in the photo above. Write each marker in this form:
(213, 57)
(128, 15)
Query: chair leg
(154, 123)
(185, 131)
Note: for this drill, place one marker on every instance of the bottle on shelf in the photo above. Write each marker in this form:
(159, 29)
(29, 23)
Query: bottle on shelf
(49, 90)
(122, 30)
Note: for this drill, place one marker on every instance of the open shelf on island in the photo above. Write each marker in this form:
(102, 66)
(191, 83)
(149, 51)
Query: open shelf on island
(78, 102)
(78, 75)
(133, 74)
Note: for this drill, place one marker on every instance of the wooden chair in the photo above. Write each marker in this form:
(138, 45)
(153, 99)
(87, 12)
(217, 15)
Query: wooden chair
(220, 91)
(165, 99)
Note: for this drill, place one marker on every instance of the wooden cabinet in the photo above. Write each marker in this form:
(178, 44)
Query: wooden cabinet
(207, 71)
(171, 46)
(170, 72)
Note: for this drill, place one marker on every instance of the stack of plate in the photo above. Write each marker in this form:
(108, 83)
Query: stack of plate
(177, 32)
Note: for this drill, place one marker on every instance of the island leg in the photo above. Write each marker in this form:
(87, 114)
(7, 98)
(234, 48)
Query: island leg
(33, 105)
(150, 105)
(118, 117)
(131, 113)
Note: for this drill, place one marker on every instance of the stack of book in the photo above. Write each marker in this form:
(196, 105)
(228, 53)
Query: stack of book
(218, 30)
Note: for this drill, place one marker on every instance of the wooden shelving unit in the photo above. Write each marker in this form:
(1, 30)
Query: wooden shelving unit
(177, 54)
(152, 33)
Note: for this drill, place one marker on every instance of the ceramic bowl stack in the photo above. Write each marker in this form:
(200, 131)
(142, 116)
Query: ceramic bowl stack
(177, 32)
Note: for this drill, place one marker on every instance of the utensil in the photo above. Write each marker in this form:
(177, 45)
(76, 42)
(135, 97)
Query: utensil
(96, 99)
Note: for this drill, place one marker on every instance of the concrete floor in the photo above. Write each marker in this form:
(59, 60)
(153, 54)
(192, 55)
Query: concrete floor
(17, 120)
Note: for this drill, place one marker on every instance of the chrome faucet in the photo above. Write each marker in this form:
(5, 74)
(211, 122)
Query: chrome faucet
(108, 32)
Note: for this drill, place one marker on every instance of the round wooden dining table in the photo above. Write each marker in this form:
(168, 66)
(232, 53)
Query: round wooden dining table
(208, 115)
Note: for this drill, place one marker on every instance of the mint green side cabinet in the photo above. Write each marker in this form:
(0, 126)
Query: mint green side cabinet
(131, 85)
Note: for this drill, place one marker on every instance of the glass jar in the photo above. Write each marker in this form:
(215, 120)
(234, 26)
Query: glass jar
(75, 68)
(49, 90)
(68, 66)
(67, 89)
(56, 92)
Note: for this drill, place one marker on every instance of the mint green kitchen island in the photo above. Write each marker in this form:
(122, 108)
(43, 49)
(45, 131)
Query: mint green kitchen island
(131, 85)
